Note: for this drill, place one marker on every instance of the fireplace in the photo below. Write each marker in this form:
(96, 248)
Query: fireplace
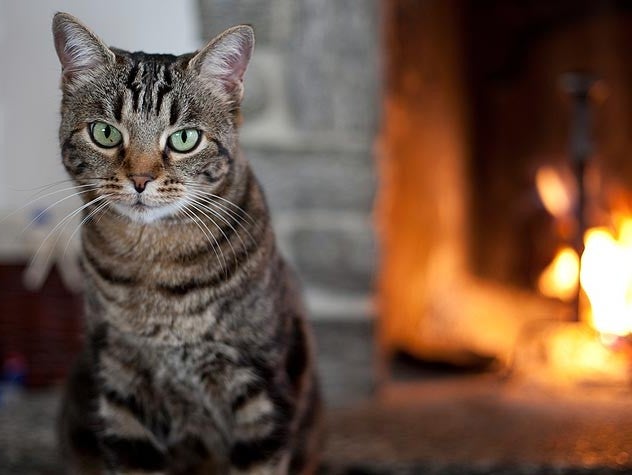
(479, 212)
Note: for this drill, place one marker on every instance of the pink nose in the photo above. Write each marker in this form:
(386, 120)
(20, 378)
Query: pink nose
(140, 181)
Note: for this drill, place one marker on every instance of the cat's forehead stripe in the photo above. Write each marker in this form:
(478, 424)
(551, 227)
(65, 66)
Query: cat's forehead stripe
(174, 112)
(163, 87)
(134, 85)
(149, 81)
(118, 107)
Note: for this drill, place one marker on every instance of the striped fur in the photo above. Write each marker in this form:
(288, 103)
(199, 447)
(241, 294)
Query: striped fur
(198, 356)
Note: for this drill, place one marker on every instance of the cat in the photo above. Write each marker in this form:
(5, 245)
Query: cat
(198, 354)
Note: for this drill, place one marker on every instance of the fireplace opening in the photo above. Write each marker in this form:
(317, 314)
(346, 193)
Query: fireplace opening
(504, 157)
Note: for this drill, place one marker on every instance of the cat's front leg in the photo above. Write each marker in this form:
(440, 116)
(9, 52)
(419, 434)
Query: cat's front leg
(132, 456)
(275, 465)
(270, 468)
(262, 436)
(128, 447)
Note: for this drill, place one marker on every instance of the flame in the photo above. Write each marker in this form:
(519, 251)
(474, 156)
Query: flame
(606, 263)
(560, 278)
(606, 277)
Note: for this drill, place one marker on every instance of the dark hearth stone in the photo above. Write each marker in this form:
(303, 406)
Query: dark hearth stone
(469, 426)
(429, 469)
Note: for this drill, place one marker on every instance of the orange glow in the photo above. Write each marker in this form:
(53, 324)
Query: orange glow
(577, 353)
(560, 277)
(556, 191)
(606, 263)
(606, 277)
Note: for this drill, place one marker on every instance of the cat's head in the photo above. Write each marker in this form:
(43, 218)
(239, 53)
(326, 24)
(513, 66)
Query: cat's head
(149, 133)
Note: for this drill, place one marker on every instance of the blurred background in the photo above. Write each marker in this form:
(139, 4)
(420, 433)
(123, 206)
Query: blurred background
(452, 180)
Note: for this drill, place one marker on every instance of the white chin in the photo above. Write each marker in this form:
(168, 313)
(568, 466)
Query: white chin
(146, 214)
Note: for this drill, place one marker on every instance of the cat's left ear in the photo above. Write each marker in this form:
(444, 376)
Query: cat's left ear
(225, 59)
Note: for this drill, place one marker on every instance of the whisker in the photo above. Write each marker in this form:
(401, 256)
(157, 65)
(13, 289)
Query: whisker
(197, 222)
(101, 217)
(32, 268)
(42, 187)
(218, 209)
(41, 213)
(92, 213)
(218, 215)
(235, 215)
(197, 207)
(35, 198)
(66, 219)
(50, 185)
(238, 219)
(202, 189)
(63, 189)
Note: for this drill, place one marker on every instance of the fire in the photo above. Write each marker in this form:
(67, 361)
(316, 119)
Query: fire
(606, 277)
(606, 264)
(561, 276)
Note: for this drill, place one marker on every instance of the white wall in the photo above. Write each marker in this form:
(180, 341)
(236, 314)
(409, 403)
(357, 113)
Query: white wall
(29, 74)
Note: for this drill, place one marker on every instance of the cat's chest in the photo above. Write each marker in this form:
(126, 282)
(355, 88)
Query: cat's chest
(188, 386)
(165, 293)
(145, 306)
(187, 395)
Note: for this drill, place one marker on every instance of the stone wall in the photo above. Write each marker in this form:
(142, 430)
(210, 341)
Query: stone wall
(310, 118)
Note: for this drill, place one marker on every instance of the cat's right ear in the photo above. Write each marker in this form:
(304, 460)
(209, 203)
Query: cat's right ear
(79, 50)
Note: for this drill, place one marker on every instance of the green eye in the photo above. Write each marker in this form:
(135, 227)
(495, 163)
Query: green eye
(105, 135)
(184, 140)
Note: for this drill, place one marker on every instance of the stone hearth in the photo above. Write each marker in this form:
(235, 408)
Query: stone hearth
(465, 425)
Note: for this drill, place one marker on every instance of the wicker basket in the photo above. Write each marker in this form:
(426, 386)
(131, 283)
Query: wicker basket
(39, 330)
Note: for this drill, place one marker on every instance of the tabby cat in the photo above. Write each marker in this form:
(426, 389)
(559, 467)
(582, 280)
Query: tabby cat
(198, 357)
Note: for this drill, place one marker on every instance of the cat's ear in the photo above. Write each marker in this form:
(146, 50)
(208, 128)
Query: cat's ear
(79, 50)
(225, 59)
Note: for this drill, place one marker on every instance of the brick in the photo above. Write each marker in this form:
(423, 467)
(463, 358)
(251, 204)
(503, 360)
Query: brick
(334, 252)
(333, 66)
(270, 19)
(303, 179)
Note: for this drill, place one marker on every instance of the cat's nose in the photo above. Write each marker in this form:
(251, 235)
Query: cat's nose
(140, 181)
